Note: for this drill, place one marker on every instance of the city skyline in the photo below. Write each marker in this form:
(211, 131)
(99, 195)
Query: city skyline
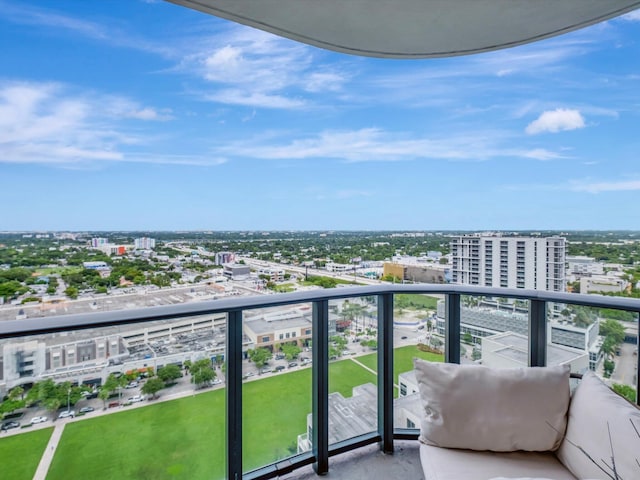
(148, 116)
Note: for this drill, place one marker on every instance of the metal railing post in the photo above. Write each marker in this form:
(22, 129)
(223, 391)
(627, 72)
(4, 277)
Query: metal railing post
(537, 333)
(234, 395)
(637, 385)
(320, 380)
(385, 371)
(452, 328)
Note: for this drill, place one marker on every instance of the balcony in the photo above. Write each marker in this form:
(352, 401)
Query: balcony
(326, 414)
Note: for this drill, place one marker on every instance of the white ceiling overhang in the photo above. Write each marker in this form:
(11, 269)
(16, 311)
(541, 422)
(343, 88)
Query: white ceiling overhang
(414, 28)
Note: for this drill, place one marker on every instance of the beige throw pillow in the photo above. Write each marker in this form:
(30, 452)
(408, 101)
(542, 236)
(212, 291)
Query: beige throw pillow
(595, 411)
(502, 410)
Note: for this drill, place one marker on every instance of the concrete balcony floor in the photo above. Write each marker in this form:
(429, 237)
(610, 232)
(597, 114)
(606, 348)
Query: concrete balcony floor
(371, 464)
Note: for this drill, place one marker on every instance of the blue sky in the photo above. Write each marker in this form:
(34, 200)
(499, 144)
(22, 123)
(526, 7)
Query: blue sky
(143, 115)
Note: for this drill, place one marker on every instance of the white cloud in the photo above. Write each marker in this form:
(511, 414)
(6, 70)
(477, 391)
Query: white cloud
(556, 120)
(253, 68)
(373, 144)
(542, 154)
(149, 114)
(632, 16)
(254, 99)
(599, 187)
(43, 123)
(45, 17)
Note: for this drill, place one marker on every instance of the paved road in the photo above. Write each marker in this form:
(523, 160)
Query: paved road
(626, 365)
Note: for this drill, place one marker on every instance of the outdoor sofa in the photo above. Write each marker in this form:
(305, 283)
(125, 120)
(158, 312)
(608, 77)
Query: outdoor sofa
(480, 423)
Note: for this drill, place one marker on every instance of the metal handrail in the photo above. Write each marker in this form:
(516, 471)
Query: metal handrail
(51, 324)
(234, 308)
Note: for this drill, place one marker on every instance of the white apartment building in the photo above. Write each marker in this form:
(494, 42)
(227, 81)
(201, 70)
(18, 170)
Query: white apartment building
(492, 260)
(144, 243)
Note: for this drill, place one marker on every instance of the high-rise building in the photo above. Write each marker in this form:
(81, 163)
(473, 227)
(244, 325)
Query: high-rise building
(493, 260)
(99, 242)
(144, 243)
(223, 258)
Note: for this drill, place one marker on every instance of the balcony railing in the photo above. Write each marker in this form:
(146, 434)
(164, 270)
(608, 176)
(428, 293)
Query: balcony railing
(322, 450)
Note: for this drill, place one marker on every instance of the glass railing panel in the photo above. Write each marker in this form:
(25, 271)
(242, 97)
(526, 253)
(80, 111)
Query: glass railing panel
(494, 331)
(122, 400)
(276, 392)
(602, 340)
(353, 366)
(415, 335)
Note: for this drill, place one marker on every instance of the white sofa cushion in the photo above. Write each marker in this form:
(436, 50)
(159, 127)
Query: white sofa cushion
(453, 464)
(502, 410)
(595, 411)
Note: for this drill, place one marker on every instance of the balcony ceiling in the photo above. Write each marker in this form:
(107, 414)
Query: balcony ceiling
(414, 28)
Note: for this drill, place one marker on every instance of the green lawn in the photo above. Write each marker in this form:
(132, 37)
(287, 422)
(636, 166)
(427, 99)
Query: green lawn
(58, 270)
(185, 438)
(416, 301)
(20, 454)
(402, 359)
(179, 439)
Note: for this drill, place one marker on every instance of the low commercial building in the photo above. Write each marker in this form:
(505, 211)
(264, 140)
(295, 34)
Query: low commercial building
(269, 330)
(236, 271)
(581, 265)
(418, 272)
(90, 356)
(484, 321)
(511, 350)
(274, 274)
(603, 284)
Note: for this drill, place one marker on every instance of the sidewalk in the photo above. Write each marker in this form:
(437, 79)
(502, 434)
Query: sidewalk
(49, 452)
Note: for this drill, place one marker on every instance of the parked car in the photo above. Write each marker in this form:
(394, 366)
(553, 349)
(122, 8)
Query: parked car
(279, 368)
(9, 425)
(293, 364)
(86, 409)
(113, 404)
(35, 420)
(136, 398)
(67, 414)
(132, 385)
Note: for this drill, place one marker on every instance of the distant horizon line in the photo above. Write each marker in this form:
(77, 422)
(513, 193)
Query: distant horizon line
(487, 230)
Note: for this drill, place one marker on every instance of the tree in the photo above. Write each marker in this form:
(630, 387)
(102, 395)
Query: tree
(291, 351)
(187, 365)
(169, 373)
(52, 404)
(609, 366)
(609, 346)
(104, 395)
(391, 278)
(202, 373)
(203, 376)
(16, 393)
(9, 406)
(71, 292)
(467, 338)
(259, 356)
(582, 319)
(152, 386)
(614, 329)
(110, 385)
